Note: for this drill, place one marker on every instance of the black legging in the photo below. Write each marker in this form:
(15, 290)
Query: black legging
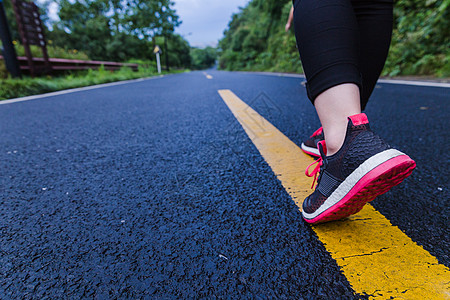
(342, 41)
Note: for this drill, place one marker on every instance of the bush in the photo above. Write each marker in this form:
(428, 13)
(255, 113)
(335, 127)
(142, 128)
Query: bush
(255, 39)
(53, 51)
(12, 88)
(203, 58)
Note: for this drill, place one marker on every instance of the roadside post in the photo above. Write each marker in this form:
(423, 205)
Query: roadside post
(9, 53)
(157, 51)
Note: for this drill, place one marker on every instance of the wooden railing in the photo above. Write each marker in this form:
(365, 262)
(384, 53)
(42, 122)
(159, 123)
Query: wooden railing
(61, 64)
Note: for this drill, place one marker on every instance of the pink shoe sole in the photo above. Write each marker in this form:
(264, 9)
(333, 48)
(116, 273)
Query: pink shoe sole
(376, 182)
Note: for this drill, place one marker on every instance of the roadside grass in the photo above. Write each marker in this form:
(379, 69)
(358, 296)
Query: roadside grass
(52, 51)
(14, 88)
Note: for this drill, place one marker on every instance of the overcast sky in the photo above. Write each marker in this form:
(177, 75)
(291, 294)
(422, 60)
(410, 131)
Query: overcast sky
(205, 20)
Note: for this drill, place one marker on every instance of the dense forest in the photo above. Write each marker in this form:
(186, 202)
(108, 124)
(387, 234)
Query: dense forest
(256, 40)
(116, 30)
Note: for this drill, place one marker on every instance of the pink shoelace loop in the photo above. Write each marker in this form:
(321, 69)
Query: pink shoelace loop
(322, 146)
(315, 171)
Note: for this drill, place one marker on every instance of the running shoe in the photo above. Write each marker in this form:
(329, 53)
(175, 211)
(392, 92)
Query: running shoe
(362, 169)
(310, 145)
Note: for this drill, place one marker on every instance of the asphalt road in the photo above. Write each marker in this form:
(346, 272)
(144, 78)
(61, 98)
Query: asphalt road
(152, 189)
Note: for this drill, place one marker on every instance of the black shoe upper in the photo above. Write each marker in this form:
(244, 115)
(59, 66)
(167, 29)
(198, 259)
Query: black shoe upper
(314, 139)
(360, 144)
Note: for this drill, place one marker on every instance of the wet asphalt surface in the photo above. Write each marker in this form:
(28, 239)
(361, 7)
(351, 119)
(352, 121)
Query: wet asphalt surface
(153, 190)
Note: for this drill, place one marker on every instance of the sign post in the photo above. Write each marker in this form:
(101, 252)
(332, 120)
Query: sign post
(9, 53)
(157, 51)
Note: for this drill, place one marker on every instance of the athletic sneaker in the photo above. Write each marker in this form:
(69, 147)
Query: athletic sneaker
(310, 145)
(362, 169)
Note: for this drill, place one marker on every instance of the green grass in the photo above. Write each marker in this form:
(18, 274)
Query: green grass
(53, 51)
(14, 88)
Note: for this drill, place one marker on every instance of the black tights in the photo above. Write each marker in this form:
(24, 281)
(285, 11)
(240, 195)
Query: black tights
(342, 41)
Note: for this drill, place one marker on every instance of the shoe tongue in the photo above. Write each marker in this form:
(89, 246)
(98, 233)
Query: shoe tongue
(322, 146)
(359, 119)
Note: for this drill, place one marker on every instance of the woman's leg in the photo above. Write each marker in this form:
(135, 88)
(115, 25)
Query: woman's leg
(334, 106)
(343, 45)
(356, 165)
(327, 37)
(375, 20)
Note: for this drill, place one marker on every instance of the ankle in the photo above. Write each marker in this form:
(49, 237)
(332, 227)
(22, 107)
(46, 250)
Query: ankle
(334, 137)
(333, 145)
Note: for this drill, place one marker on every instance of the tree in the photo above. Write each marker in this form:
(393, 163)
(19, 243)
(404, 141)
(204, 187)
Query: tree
(254, 39)
(113, 29)
(203, 58)
(177, 49)
(149, 18)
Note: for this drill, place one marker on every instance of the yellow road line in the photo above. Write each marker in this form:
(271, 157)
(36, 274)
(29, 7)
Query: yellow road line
(207, 75)
(377, 258)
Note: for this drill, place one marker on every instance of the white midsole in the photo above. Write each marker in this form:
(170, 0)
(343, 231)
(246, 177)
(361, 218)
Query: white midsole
(310, 149)
(345, 187)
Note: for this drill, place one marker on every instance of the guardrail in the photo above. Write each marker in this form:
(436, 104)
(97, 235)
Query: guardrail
(62, 64)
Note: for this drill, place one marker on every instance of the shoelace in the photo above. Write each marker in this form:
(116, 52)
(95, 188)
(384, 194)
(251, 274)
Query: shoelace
(315, 171)
(317, 132)
(323, 152)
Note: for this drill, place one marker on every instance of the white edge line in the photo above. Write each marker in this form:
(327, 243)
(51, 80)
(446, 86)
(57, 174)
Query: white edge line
(86, 88)
(275, 74)
(415, 82)
(391, 81)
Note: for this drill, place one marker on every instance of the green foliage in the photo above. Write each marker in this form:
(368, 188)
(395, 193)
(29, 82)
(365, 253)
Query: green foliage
(147, 17)
(53, 51)
(255, 39)
(86, 26)
(110, 30)
(421, 39)
(7, 4)
(203, 58)
(177, 50)
(12, 88)
(3, 71)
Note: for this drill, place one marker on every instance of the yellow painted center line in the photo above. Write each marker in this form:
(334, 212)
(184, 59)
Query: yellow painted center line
(377, 258)
(207, 75)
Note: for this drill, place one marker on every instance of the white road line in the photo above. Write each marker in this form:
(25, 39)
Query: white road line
(275, 74)
(92, 87)
(390, 81)
(415, 82)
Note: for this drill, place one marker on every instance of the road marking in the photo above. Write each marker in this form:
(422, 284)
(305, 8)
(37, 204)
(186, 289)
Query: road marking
(207, 75)
(415, 82)
(377, 258)
(278, 74)
(86, 88)
(390, 81)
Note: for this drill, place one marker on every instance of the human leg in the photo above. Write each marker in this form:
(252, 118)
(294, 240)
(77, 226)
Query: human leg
(374, 20)
(341, 41)
(327, 38)
(334, 106)
(356, 165)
